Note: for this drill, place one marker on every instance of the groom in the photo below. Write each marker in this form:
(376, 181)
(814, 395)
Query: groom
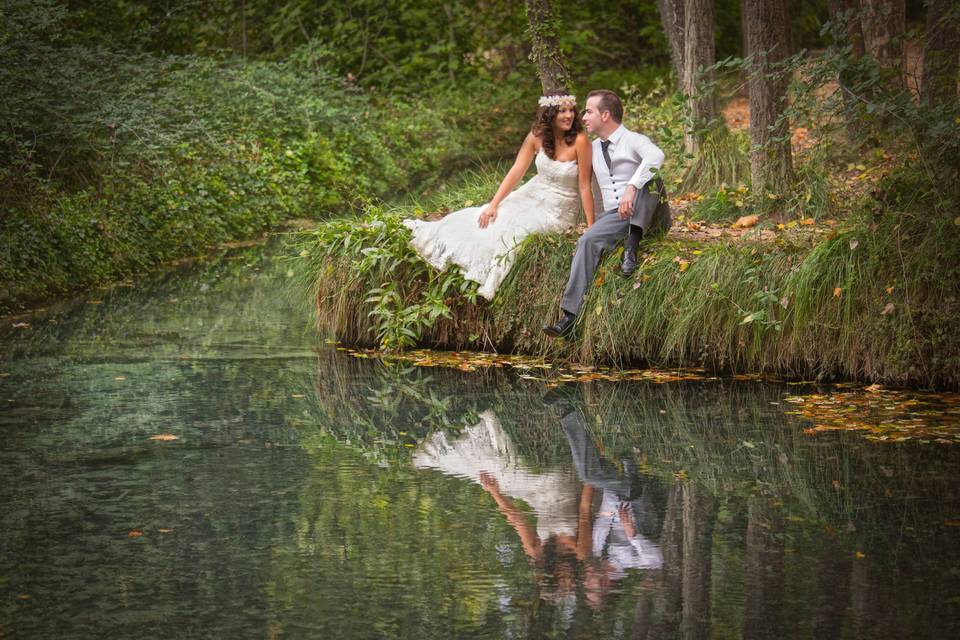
(625, 165)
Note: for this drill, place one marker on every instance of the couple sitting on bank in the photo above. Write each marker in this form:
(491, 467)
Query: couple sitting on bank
(617, 170)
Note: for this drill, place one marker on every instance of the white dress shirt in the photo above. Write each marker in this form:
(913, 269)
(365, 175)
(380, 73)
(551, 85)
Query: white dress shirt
(634, 158)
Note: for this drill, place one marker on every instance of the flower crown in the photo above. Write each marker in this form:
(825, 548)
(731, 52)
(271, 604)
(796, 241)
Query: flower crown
(556, 101)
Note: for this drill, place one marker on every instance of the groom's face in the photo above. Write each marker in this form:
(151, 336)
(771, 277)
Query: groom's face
(591, 116)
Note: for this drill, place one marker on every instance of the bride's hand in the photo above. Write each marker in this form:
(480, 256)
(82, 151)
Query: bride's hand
(489, 215)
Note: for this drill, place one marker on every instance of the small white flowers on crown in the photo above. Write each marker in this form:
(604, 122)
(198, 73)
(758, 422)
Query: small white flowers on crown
(556, 101)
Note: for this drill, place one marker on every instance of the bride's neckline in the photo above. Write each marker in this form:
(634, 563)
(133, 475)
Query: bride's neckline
(544, 153)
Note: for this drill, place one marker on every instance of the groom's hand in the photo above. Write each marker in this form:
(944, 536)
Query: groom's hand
(626, 205)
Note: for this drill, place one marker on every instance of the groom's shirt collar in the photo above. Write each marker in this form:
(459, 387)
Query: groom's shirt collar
(614, 137)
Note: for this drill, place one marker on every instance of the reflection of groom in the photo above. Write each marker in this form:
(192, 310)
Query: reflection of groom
(625, 165)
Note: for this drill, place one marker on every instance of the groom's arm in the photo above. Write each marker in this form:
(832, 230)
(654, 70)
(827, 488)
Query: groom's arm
(651, 159)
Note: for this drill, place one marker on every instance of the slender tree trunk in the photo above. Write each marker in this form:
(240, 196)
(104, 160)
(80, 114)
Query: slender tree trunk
(698, 54)
(940, 51)
(671, 15)
(766, 30)
(544, 35)
(884, 22)
(845, 14)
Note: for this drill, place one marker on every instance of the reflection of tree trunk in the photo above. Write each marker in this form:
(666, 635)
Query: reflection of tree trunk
(764, 609)
(941, 43)
(697, 538)
(544, 36)
(863, 601)
(698, 54)
(667, 599)
(833, 577)
(767, 35)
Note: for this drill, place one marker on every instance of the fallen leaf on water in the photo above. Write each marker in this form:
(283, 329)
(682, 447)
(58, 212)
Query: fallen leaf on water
(744, 222)
(164, 437)
(134, 533)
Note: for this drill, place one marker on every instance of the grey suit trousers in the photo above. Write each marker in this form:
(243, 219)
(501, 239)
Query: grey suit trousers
(650, 211)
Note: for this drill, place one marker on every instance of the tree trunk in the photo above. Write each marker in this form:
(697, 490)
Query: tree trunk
(766, 31)
(940, 50)
(544, 36)
(844, 14)
(884, 22)
(698, 54)
(671, 15)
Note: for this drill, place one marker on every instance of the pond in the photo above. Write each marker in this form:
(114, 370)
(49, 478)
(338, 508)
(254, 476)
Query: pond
(184, 457)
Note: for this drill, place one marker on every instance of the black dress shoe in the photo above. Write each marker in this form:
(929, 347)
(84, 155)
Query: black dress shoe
(629, 264)
(562, 326)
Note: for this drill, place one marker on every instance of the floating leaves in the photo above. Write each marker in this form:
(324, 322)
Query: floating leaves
(529, 367)
(883, 415)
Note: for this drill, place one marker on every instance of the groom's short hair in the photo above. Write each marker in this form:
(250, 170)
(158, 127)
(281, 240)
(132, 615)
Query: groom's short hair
(609, 101)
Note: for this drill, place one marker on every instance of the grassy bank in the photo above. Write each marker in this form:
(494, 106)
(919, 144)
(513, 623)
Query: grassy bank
(873, 297)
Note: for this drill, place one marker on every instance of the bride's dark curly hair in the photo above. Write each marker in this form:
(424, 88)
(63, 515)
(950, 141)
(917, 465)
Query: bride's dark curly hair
(543, 126)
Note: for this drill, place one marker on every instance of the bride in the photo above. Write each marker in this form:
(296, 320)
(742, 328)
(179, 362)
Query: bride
(483, 240)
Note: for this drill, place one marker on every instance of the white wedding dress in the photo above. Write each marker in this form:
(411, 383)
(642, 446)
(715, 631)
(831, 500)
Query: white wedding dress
(548, 202)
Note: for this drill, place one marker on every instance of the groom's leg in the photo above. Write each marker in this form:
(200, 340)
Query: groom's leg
(605, 233)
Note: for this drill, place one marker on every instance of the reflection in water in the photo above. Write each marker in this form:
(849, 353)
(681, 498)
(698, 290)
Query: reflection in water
(591, 530)
(297, 503)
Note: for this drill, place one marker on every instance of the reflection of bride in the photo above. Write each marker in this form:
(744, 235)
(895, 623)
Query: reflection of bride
(483, 240)
(601, 521)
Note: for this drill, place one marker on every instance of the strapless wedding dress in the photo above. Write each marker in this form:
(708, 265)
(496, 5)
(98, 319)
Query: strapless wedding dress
(548, 202)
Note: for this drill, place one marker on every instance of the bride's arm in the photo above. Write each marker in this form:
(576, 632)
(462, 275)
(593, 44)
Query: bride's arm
(524, 157)
(585, 176)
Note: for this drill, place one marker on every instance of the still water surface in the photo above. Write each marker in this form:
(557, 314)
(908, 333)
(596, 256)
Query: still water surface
(309, 494)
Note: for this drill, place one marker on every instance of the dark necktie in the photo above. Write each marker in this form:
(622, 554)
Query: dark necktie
(604, 144)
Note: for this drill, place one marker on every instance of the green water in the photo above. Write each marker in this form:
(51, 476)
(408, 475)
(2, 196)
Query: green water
(313, 495)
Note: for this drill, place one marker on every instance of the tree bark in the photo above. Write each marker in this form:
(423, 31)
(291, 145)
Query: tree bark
(884, 22)
(940, 50)
(698, 54)
(671, 15)
(766, 31)
(845, 15)
(544, 36)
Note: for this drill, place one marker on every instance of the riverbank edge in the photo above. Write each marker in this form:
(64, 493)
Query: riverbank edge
(830, 308)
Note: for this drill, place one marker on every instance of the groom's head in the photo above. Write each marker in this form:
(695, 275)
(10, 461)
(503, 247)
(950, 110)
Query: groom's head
(603, 112)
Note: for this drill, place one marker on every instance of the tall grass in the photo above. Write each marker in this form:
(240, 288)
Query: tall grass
(866, 304)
